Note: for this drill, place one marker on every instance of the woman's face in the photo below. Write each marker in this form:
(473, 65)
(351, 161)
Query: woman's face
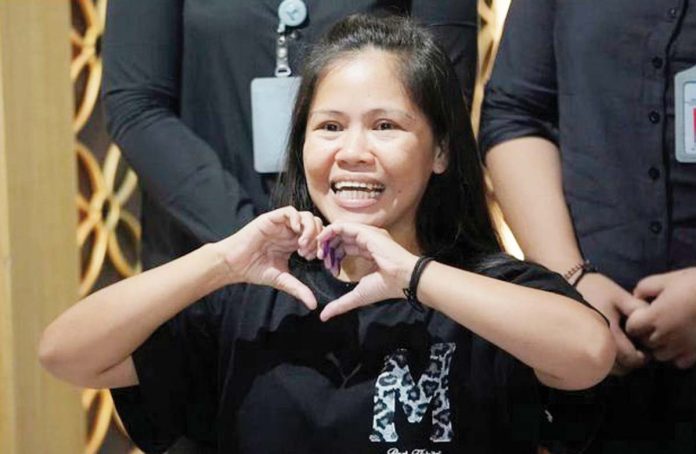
(369, 150)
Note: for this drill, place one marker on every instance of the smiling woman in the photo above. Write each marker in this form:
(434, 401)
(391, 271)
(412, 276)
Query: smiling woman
(379, 281)
(368, 159)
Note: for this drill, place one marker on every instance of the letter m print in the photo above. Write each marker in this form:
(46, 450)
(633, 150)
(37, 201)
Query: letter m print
(396, 383)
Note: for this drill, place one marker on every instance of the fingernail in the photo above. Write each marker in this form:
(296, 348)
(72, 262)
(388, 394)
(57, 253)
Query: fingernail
(325, 248)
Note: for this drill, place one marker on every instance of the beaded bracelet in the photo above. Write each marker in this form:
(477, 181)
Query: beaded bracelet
(568, 274)
(412, 291)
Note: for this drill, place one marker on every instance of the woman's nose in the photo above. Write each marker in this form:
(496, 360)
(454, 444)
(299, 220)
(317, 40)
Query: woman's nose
(355, 149)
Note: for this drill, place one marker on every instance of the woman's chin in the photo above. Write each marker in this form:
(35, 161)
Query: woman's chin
(360, 215)
(363, 210)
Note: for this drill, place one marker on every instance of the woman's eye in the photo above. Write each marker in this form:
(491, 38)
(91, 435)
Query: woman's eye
(385, 126)
(331, 127)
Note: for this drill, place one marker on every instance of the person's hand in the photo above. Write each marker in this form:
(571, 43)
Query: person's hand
(392, 264)
(614, 302)
(259, 253)
(668, 325)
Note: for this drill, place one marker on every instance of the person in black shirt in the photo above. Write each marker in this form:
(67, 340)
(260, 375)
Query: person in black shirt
(302, 340)
(578, 131)
(176, 95)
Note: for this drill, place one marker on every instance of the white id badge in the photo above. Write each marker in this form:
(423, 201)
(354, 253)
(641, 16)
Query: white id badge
(272, 99)
(685, 115)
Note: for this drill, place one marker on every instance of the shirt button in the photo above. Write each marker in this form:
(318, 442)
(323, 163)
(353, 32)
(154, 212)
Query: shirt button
(655, 227)
(654, 173)
(657, 62)
(654, 117)
(672, 13)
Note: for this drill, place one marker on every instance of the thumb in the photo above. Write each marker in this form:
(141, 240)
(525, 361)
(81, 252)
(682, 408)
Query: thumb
(650, 286)
(351, 300)
(288, 283)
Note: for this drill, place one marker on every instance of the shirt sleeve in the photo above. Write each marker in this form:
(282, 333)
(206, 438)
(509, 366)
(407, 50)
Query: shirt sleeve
(140, 91)
(455, 26)
(177, 368)
(563, 421)
(520, 97)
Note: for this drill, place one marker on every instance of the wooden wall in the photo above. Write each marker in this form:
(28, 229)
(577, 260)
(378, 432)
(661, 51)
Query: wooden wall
(38, 255)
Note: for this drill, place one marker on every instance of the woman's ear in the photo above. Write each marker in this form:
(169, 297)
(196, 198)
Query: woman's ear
(440, 162)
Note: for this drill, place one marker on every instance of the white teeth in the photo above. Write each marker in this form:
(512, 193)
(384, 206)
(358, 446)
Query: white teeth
(358, 195)
(357, 185)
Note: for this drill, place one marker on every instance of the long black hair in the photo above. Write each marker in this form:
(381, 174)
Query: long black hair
(453, 223)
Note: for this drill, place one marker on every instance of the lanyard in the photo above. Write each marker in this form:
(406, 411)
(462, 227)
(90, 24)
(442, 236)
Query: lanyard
(291, 13)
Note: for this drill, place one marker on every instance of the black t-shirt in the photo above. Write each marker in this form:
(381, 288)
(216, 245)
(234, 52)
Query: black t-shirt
(250, 370)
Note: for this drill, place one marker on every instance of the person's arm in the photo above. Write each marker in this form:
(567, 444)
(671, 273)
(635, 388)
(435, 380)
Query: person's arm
(526, 175)
(518, 137)
(455, 26)
(567, 344)
(140, 91)
(90, 345)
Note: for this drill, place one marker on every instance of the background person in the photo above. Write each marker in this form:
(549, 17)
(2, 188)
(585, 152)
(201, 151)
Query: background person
(578, 130)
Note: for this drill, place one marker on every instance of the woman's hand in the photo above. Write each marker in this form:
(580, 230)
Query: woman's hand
(259, 253)
(392, 264)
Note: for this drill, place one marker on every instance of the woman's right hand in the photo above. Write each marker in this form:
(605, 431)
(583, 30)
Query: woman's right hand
(259, 252)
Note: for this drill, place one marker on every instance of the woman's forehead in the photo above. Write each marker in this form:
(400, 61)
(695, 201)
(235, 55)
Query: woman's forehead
(368, 81)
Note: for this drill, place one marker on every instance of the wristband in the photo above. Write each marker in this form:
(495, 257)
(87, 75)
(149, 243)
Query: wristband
(585, 269)
(411, 292)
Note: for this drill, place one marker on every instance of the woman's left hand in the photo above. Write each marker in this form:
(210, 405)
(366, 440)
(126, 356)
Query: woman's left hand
(392, 264)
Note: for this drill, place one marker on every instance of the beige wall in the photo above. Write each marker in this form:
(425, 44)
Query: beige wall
(38, 254)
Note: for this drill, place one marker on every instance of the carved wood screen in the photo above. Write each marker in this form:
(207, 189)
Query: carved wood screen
(107, 202)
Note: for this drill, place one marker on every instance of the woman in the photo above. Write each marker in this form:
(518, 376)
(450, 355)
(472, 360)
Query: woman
(284, 353)
(178, 103)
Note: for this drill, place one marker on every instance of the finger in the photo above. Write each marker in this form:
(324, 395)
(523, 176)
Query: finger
(309, 232)
(667, 353)
(319, 225)
(627, 355)
(331, 261)
(650, 286)
(293, 220)
(287, 283)
(655, 340)
(628, 303)
(346, 230)
(345, 303)
(685, 361)
(641, 323)
(323, 244)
